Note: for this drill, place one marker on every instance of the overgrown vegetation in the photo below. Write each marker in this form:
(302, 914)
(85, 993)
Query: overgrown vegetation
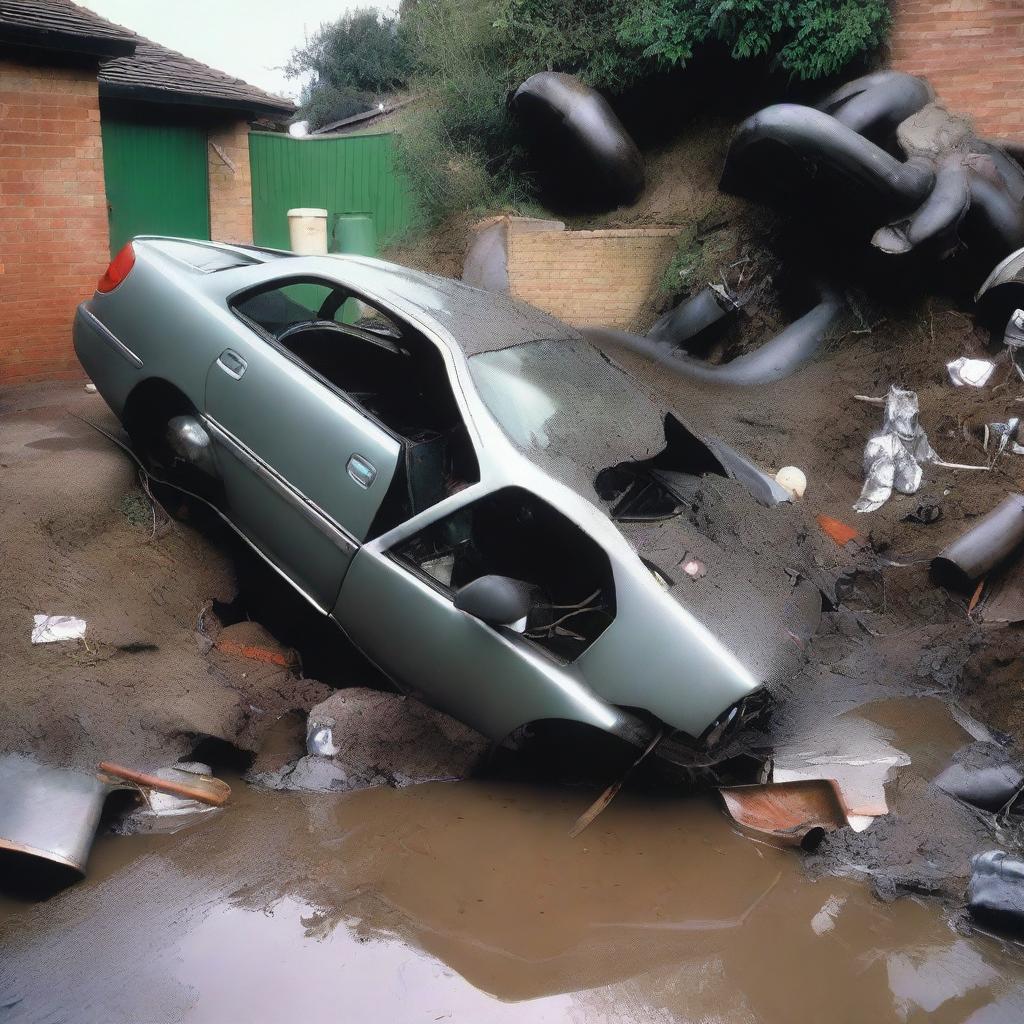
(464, 58)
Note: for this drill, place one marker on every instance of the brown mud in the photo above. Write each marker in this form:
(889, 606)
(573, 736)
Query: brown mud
(469, 902)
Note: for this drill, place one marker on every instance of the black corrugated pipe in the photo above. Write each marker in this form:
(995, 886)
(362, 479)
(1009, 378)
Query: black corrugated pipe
(773, 361)
(875, 104)
(790, 151)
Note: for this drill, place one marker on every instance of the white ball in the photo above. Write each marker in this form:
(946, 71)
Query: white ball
(793, 480)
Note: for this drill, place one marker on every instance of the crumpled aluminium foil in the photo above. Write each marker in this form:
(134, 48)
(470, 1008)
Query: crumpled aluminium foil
(893, 458)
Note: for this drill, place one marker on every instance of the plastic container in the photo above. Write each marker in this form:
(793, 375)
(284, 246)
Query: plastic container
(307, 228)
(354, 233)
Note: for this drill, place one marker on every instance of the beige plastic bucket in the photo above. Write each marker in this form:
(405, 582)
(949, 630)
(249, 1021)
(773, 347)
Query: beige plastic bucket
(307, 228)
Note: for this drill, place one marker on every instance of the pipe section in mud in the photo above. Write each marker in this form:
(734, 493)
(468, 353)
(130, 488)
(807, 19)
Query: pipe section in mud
(772, 361)
(984, 547)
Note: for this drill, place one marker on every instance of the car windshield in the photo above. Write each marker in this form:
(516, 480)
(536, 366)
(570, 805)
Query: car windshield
(564, 399)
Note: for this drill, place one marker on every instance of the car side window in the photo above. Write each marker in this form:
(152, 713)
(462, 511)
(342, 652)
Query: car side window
(388, 370)
(513, 533)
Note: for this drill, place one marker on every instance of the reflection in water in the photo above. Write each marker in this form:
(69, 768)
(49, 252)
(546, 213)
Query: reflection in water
(469, 902)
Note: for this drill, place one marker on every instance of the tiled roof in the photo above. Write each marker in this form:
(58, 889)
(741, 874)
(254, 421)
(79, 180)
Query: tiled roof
(155, 69)
(146, 70)
(60, 24)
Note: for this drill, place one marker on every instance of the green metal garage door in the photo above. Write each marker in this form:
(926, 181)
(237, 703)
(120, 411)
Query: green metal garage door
(156, 179)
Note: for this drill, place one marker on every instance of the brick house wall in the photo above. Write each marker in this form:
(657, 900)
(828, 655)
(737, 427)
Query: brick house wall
(972, 51)
(53, 215)
(230, 183)
(586, 278)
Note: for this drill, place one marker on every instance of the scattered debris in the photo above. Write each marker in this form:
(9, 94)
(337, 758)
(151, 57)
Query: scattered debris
(1003, 437)
(610, 792)
(358, 738)
(973, 372)
(796, 813)
(793, 480)
(192, 783)
(854, 754)
(1013, 337)
(926, 513)
(995, 895)
(196, 794)
(693, 567)
(982, 548)
(251, 640)
(892, 459)
(50, 813)
(48, 629)
(838, 530)
(90, 388)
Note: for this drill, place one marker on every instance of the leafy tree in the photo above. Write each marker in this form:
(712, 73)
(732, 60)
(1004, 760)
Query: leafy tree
(808, 38)
(351, 62)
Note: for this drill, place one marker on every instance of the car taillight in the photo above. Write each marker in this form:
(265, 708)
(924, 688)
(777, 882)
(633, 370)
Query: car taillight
(118, 270)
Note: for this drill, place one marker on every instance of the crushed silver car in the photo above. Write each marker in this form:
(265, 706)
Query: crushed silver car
(494, 512)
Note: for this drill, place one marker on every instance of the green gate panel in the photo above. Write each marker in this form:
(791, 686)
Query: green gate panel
(352, 174)
(156, 180)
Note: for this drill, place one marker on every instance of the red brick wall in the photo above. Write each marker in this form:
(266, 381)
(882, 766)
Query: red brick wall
(972, 51)
(230, 184)
(53, 216)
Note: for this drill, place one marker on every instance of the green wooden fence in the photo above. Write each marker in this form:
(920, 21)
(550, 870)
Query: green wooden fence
(352, 174)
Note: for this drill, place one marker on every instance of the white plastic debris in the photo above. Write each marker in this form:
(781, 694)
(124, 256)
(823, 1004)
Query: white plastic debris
(793, 480)
(1014, 336)
(164, 812)
(893, 458)
(48, 629)
(1004, 437)
(973, 372)
(90, 388)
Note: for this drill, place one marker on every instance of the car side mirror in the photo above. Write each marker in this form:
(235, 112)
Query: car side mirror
(496, 600)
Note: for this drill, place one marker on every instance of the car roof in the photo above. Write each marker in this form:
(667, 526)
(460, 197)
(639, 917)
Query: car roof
(477, 320)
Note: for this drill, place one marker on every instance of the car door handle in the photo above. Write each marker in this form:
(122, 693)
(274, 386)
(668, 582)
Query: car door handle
(361, 470)
(232, 363)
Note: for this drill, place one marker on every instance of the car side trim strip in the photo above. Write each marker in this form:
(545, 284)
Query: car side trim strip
(109, 337)
(308, 508)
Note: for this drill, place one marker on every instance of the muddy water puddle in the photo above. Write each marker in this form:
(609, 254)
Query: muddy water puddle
(470, 902)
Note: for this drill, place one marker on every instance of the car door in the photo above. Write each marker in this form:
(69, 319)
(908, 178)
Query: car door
(304, 471)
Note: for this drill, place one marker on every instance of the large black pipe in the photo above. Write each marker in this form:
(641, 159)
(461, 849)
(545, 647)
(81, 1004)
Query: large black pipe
(983, 547)
(576, 133)
(936, 220)
(773, 361)
(790, 151)
(875, 104)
